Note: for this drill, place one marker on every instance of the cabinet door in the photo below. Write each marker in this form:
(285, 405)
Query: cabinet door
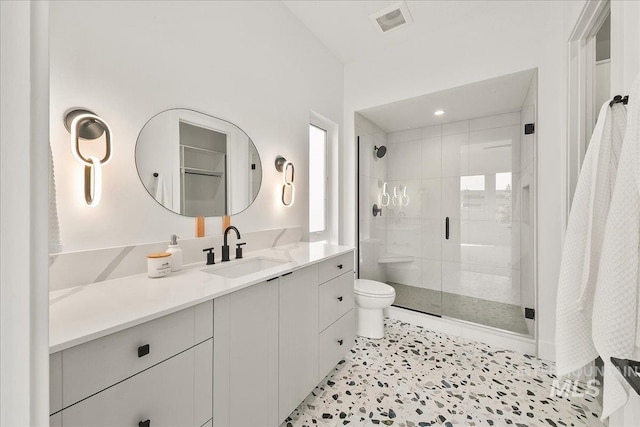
(298, 373)
(162, 394)
(245, 369)
(55, 382)
(203, 382)
(335, 342)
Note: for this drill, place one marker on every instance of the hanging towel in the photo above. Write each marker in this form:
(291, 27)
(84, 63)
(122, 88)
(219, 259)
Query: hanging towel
(55, 245)
(159, 189)
(583, 242)
(615, 308)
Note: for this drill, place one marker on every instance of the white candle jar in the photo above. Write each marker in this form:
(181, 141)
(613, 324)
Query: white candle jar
(158, 265)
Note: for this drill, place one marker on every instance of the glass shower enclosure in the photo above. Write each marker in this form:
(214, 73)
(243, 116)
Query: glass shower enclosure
(446, 210)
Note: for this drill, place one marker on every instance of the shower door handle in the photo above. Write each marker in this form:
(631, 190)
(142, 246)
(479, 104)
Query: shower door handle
(446, 228)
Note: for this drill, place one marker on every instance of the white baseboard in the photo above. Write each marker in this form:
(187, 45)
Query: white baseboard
(488, 336)
(547, 350)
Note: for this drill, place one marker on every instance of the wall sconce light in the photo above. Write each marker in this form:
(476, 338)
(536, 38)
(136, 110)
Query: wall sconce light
(384, 200)
(288, 188)
(400, 198)
(85, 124)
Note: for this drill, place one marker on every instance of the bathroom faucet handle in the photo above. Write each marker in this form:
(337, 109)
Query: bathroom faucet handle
(239, 249)
(210, 256)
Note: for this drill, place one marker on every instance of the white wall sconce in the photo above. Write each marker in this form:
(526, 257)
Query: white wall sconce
(400, 196)
(385, 197)
(85, 124)
(404, 200)
(288, 188)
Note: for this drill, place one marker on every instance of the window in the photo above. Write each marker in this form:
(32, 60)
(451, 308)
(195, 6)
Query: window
(317, 179)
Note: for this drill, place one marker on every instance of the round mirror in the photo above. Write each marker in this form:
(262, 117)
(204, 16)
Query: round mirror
(197, 165)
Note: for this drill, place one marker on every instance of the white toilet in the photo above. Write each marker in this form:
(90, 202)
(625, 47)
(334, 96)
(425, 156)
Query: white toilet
(371, 299)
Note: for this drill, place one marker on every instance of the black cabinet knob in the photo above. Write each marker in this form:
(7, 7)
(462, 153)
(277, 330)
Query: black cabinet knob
(143, 350)
(340, 266)
(340, 299)
(340, 342)
(145, 423)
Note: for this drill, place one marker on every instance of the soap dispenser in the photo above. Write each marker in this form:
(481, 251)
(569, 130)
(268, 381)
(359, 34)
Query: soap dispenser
(176, 253)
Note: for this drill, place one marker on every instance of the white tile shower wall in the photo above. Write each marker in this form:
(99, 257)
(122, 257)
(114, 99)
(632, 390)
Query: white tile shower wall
(456, 178)
(69, 269)
(262, 85)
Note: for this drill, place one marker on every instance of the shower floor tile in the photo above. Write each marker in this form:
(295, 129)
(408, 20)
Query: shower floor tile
(484, 312)
(416, 377)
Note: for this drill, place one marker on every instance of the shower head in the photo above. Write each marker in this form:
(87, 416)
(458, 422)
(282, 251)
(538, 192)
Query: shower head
(380, 151)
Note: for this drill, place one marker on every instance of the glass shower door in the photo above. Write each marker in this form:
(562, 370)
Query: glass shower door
(414, 229)
(481, 271)
(400, 238)
(455, 222)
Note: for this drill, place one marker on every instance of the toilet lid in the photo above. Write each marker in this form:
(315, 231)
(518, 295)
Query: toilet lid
(372, 288)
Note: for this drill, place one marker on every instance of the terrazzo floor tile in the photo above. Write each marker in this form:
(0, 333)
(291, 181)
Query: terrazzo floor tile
(415, 377)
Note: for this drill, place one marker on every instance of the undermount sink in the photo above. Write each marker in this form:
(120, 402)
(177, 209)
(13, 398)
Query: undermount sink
(239, 268)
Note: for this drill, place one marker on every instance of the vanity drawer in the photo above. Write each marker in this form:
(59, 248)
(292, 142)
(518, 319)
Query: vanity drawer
(334, 267)
(335, 342)
(98, 364)
(55, 382)
(163, 395)
(336, 298)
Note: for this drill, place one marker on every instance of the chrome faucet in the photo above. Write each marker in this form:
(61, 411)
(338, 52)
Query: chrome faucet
(225, 247)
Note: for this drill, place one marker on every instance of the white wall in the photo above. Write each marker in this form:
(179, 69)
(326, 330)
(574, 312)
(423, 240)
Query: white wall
(252, 63)
(513, 37)
(625, 45)
(24, 300)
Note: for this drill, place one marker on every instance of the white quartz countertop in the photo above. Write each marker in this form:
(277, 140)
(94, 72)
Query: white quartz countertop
(84, 313)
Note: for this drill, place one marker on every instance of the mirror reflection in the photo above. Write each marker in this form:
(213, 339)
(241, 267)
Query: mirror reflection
(198, 165)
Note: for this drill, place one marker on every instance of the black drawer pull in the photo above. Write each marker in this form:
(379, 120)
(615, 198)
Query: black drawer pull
(340, 266)
(340, 299)
(340, 342)
(143, 350)
(273, 278)
(146, 423)
(286, 274)
(446, 228)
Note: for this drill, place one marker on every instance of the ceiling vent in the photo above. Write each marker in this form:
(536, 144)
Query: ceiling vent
(392, 17)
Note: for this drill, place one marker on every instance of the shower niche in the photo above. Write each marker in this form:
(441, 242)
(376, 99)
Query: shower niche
(453, 225)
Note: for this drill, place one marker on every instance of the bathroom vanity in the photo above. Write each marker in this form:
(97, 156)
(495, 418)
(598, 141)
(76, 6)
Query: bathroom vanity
(237, 344)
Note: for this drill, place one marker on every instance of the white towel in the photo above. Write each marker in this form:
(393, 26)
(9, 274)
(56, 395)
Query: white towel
(583, 242)
(616, 323)
(159, 189)
(55, 245)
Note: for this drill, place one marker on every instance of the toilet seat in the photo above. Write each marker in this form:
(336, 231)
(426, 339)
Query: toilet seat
(373, 289)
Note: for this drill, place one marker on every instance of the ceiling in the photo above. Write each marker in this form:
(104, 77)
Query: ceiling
(480, 99)
(346, 29)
